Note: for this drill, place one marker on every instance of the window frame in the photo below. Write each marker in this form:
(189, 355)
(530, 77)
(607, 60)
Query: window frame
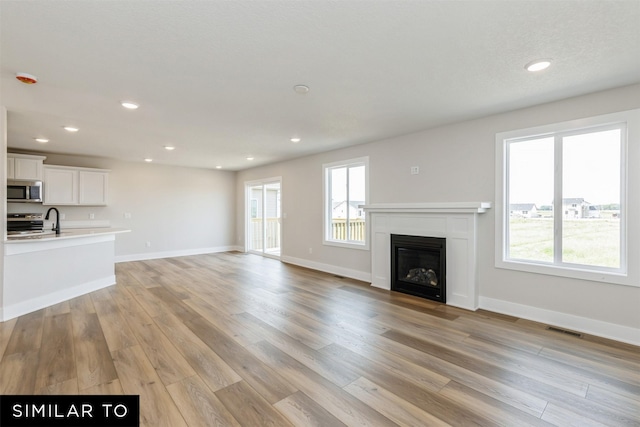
(630, 131)
(327, 205)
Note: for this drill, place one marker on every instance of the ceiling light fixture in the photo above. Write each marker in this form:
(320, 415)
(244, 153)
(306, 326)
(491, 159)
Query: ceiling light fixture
(301, 89)
(218, 167)
(148, 160)
(129, 105)
(295, 139)
(71, 129)
(27, 78)
(169, 147)
(42, 140)
(537, 65)
(249, 158)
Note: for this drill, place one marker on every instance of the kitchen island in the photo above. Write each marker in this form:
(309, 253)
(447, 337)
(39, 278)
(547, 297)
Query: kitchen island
(43, 270)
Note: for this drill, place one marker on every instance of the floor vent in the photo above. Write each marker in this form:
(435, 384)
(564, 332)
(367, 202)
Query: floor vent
(564, 331)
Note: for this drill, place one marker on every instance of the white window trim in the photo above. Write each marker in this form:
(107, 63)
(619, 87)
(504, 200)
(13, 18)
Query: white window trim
(629, 273)
(326, 204)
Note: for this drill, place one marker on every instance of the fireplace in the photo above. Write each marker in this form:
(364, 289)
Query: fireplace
(418, 266)
(455, 221)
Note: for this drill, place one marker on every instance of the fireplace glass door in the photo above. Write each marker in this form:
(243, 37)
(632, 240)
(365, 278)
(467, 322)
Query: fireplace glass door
(418, 266)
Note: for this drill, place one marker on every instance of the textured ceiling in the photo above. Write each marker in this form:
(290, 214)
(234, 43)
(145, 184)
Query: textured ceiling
(215, 78)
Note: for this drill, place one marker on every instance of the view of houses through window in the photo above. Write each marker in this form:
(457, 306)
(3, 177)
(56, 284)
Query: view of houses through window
(564, 197)
(346, 192)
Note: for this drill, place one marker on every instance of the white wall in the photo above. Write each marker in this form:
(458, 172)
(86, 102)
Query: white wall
(177, 210)
(457, 163)
(302, 204)
(3, 196)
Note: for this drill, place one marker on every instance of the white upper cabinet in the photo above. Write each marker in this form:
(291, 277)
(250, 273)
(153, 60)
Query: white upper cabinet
(64, 185)
(24, 167)
(93, 187)
(10, 167)
(60, 186)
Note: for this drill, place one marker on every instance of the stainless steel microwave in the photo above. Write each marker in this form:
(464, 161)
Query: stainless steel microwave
(24, 191)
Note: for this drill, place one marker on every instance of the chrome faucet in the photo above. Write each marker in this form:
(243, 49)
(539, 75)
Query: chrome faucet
(56, 227)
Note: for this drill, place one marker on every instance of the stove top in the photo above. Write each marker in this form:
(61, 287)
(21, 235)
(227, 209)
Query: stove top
(25, 217)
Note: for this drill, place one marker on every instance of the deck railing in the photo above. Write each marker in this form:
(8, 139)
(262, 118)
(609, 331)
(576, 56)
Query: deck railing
(273, 233)
(339, 229)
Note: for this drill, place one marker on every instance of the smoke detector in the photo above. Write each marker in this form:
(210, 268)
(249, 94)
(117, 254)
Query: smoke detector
(27, 78)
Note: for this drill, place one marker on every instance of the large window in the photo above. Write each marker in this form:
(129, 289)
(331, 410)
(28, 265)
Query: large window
(561, 193)
(345, 191)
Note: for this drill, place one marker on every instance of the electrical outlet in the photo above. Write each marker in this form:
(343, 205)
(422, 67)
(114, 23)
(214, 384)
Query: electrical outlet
(92, 216)
(415, 170)
(310, 250)
(62, 216)
(148, 244)
(127, 215)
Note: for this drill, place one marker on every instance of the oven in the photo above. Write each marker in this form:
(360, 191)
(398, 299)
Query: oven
(20, 224)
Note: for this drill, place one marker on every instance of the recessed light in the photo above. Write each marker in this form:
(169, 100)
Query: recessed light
(249, 158)
(169, 147)
(218, 167)
(537, 65)
(130, 105)
(71, 129)
(301, 89)
(42, 140)
(148, 160)
(295, 139)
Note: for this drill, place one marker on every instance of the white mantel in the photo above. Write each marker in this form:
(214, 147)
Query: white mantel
(444, 207)
(455, 221)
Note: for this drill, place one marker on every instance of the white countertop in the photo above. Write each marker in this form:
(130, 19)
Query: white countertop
(72, 233)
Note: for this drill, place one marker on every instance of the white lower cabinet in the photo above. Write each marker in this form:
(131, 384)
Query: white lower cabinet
(64, 185)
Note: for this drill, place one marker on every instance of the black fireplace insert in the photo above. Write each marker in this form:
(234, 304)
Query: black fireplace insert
(418, 266)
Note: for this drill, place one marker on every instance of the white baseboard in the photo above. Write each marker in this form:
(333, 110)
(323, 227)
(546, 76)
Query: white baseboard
(328, 268)
(569, 321)
(43, 301)
(173, 254)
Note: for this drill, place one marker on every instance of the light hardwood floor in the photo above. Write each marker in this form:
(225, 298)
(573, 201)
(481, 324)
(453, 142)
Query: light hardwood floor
(236, 339)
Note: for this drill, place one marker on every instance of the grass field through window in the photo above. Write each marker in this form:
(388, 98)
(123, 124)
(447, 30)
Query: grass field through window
(594, 242)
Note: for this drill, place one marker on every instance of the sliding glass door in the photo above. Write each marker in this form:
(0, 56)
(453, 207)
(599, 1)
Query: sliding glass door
(264, 217)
